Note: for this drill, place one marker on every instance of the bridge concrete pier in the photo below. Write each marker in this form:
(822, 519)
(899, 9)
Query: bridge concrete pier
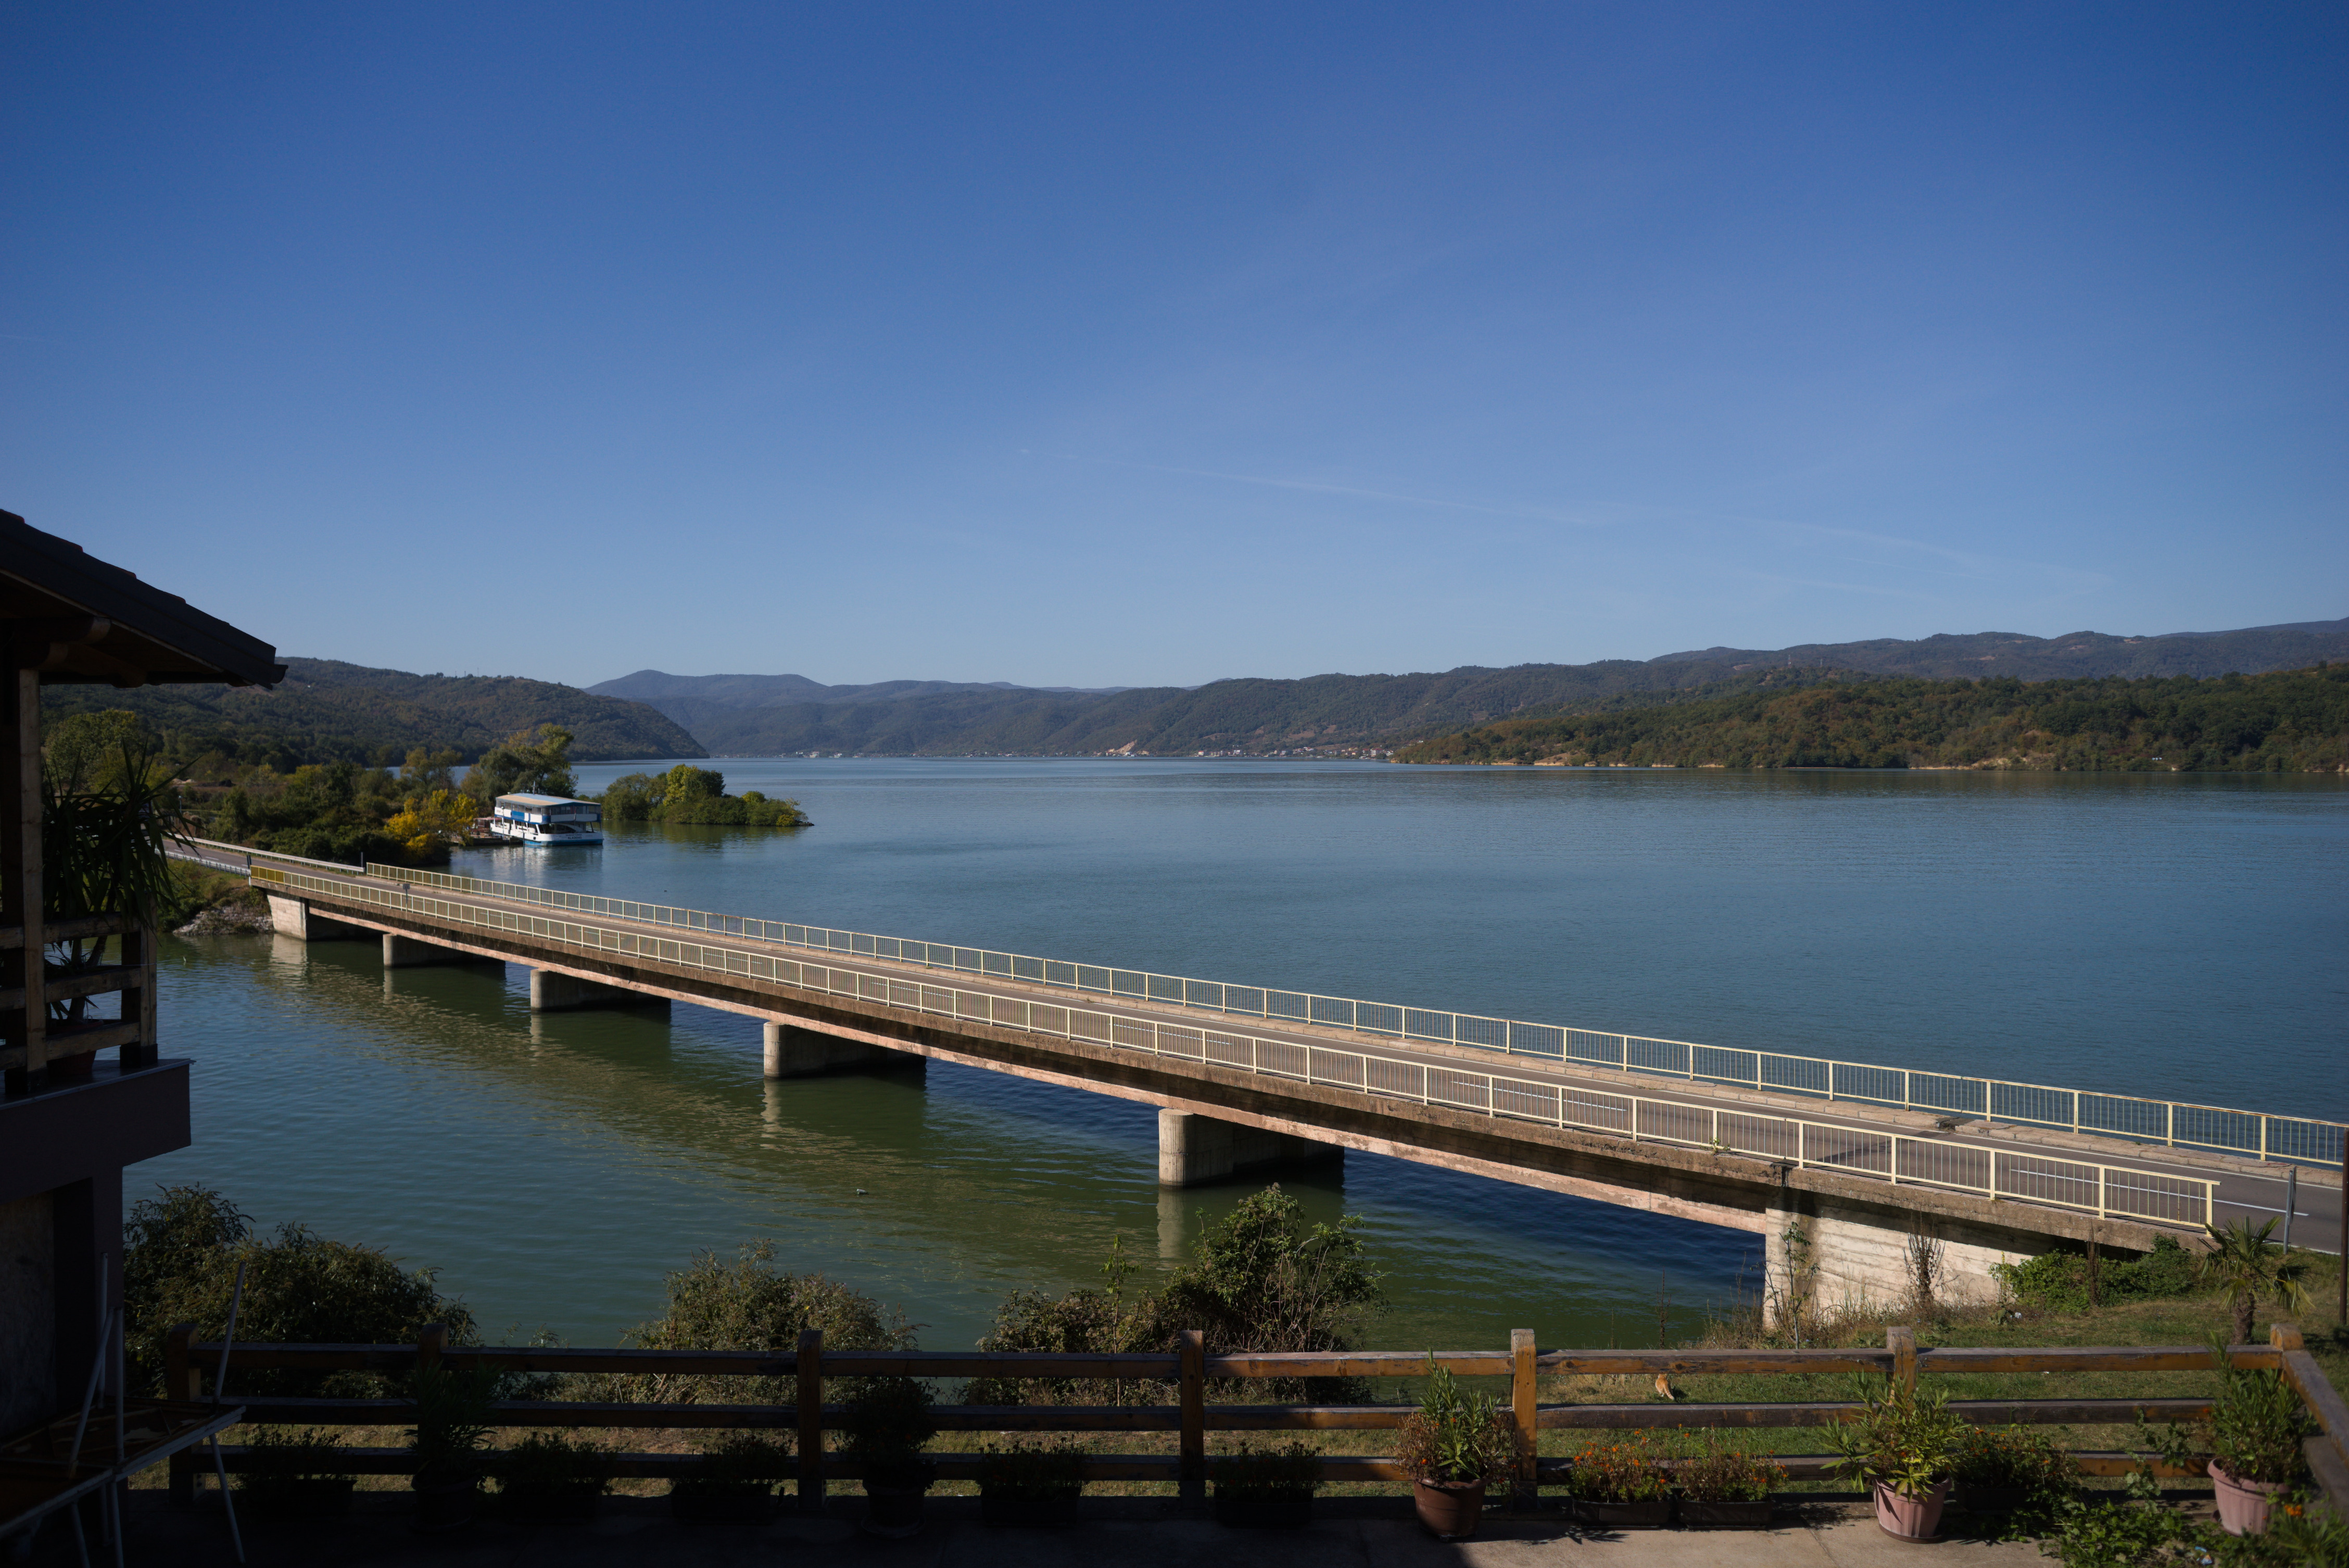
(1826, 1255)
(292, 917)
(409, 953)
(1193, 1149)
(792, 1052)
(552, 991)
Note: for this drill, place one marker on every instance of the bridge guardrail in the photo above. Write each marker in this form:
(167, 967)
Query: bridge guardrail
(2172, 1123)
(2091, 1187)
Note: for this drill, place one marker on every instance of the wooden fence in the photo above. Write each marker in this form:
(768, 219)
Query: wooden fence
(1190, 1369)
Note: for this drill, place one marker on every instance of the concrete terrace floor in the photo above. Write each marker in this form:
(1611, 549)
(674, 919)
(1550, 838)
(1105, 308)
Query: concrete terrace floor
(1131, 1533)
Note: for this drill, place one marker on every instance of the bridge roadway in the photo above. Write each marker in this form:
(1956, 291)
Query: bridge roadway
(1857, 1179)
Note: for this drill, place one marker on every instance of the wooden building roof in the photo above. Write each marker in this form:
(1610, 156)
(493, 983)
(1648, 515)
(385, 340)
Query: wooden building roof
(77, 619)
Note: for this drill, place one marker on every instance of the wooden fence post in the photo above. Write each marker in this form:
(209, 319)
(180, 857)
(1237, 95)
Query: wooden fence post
(811, 1370)
(1902, 1342)
(182, 1381)
(2286, 1336)
(431, 1341)
(1522, 1391)
(1192, 1357)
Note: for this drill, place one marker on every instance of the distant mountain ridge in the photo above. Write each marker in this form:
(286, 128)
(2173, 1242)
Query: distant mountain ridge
(776, 715)
(326, 710)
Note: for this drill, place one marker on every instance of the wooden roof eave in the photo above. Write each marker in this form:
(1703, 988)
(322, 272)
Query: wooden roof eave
(80, 620)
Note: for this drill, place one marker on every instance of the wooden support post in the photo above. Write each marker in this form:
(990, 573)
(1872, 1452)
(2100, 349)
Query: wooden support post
(1522, 1389)
(21, 967)
(1902, 1342)
(2341, 1252)
(2096, 1271)
(139, 1000)
(2286, 1336)
(811, 1370)
(1191, 1352)
(182, 1381)
(431, 1341)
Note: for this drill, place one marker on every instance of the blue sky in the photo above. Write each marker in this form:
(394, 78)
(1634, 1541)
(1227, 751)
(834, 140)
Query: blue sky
(1099, 346)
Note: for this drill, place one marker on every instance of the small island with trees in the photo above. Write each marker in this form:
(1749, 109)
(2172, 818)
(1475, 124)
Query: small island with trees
(690, 796)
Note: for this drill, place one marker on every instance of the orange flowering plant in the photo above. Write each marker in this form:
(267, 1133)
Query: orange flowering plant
(1626, 1469)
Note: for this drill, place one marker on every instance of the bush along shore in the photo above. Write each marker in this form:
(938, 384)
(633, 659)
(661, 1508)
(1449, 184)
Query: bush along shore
(1262, 1279)
(2292, 721)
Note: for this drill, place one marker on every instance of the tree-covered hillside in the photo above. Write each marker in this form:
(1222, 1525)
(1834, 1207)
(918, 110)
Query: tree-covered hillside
(2290, 721)
(327, 711)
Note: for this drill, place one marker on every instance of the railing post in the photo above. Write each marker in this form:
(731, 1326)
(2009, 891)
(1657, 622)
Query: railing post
(811, 1413)
(431, 1341)
(182, 1381)
(1192, 1357)
(1522, 1392)
(1902, 1342)
(2286, 1336)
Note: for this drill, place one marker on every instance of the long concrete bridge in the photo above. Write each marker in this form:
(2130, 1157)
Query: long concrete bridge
(1841, 1167)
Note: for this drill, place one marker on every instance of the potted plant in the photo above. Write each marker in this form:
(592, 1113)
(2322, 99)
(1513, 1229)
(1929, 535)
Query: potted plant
(733, 1480)
(1456, 1442)
(1266, 1487)
(550, 1477)
(1899, 1443)
(888, 1423)
(452, 1426)
(2251, 1443)
(1620, 1483)
(2004, 1470)
(1726, 1487)
(1035, 1482)
(293, 1474)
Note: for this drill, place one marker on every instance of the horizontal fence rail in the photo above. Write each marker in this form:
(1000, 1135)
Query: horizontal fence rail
(1189, 1371)
(2175, 1123)
(2089, 1187)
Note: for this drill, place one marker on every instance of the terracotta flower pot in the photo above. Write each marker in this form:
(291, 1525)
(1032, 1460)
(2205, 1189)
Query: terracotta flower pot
(722, 1505)
(893, 1512)
(1911, 1518)
(1993, 1500)
(1750, 1514)
(1026, 1512)
(2242, 1504)
(1264, 1510)
(1450, 1508)
(550, 1502)
(445, 1504)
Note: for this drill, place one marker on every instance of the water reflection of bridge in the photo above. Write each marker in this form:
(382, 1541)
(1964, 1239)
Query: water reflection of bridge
(1838, 1165)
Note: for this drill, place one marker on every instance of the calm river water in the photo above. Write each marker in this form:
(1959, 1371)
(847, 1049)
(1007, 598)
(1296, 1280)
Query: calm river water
(2169, 935)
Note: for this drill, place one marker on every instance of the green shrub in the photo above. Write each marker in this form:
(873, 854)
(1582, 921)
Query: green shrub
(750, 1305)
(1724, 1474)
(180, 1260)
(287, 1471)
(1267, 1469)
(2058, 1282)
(1043, 1469)
(553, 1462)
(740, 1462)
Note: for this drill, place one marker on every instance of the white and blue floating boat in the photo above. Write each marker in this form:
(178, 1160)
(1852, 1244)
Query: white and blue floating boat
(547, 819)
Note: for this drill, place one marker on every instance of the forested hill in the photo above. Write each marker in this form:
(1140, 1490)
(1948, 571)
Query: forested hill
(767, 714)
(327, 711)
(2287, 721)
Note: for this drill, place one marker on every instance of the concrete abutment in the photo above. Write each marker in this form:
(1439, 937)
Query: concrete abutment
(1193, 1149)
(292, 917)
(1827, 1255)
